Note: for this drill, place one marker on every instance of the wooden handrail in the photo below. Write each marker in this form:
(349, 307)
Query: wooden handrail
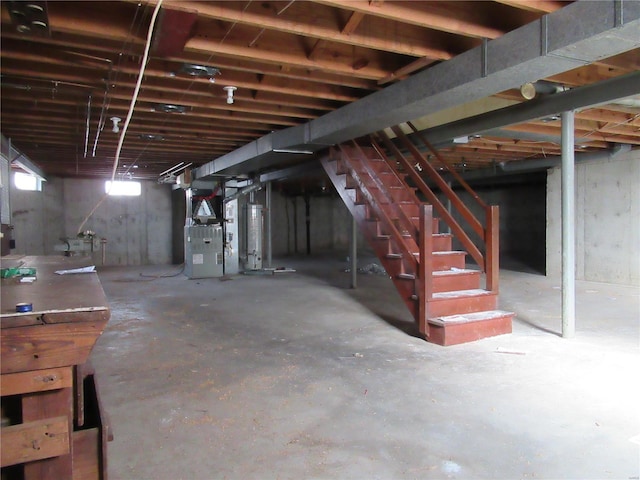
(425, 268)
(433, 199)
(405, 220)
(492, 253)
(452, 171)
(393, 231)
(444, 187)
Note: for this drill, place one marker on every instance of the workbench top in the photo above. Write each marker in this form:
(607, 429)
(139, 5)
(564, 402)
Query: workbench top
(69, 314)
(51, 294)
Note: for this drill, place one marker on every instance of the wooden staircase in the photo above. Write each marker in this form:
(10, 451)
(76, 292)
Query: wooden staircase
(381, 187)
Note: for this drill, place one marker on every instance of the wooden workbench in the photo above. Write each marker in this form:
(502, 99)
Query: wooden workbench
(52, 423)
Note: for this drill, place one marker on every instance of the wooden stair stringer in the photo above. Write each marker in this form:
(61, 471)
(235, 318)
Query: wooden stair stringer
(458, 310)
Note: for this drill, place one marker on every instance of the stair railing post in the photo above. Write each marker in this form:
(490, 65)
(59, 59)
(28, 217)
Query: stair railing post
(354, 252)
(425, 268)
(492, 255)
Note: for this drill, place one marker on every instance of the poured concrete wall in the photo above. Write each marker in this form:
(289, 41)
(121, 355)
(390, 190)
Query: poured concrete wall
(38, 218)
(522, 222)
(330, 223)
(607, 220)
(137, 229)
(522, 212)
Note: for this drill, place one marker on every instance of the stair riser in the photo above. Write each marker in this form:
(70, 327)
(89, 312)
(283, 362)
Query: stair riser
(401, 195)
(451, 283)
(462, 305)
(469, 332)
(446, 262)
(434, 225)
(441, 244)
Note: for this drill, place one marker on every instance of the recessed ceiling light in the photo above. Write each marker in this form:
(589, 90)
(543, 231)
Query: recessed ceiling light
(151, 136)
(169, 108)
(195, 70)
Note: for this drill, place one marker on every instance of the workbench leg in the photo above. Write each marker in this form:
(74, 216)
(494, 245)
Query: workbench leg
(41, 405)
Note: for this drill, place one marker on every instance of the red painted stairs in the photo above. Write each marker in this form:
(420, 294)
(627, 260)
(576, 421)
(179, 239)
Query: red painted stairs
(381, 189)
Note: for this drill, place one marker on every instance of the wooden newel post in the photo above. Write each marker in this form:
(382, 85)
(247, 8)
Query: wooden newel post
(492, 255)
(425, 268)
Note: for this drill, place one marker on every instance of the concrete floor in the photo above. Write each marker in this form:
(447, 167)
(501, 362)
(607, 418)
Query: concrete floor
(295, 376)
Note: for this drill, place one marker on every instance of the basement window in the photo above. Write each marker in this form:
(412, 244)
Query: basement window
(25, 181)
(123, 189)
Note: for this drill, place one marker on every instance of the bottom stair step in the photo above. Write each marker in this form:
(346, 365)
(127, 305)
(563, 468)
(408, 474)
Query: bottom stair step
(468, 327)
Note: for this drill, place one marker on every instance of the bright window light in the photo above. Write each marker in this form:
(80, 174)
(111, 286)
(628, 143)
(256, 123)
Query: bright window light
(24, 181)
(119, 188)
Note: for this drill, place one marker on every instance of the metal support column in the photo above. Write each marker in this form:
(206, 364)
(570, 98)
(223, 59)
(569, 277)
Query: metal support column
(354, 253)
(449, 184)
(568, 227)
(268, 225)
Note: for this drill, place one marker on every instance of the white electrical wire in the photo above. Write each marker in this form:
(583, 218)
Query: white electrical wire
(129, 114)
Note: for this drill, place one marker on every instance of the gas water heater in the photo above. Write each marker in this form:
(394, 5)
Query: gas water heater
(253, 236)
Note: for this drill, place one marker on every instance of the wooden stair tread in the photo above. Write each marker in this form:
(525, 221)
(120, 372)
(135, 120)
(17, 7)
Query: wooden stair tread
(450, 252)
(436, 273)
(406, 276)
(454, 271)
(470, 317)
(476, 292)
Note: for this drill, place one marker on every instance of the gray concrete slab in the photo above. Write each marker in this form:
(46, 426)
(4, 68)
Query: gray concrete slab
(295, 376)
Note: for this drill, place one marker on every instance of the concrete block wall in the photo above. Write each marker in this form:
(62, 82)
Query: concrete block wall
(607, 220)
(137, 229)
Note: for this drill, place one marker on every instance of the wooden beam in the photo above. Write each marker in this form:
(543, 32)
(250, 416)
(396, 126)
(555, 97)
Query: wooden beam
(226, 64)
(406, 70)
(18, 64)
(354, 20)
(538, 6)
(312, 28)
(36, 381)
(316, 50)
(283, 56)
(434, 17)
(35, 440)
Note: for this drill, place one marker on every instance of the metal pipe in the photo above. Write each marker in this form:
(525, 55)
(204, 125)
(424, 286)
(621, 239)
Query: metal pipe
(249, 189)
(450, 184)
(307, 204)
(568, 227)
(268, 226)
(86, 133)
(295, 224)
(188, 200)
(103, 244)
(354, 253)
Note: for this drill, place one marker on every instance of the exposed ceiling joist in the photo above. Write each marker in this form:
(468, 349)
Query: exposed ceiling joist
(432, 15)
(552, 46)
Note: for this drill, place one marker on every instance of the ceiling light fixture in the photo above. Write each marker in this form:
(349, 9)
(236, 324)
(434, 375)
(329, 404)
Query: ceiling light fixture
(116, 121)
(29, 17)
(230, 90)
